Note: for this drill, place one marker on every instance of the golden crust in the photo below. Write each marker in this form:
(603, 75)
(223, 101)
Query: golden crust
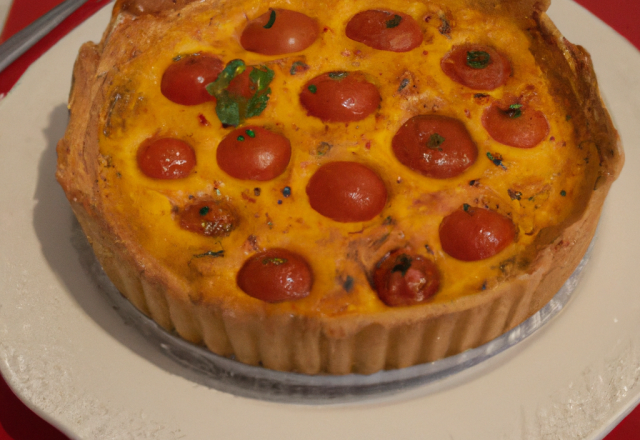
(333, 343)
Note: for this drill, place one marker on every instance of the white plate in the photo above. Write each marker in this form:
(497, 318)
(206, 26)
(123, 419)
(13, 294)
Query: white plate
(71, 358)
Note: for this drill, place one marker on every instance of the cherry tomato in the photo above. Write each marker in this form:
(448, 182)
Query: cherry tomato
(166, 158)
(515, 125)
(385, 30)
(347, 192)
(212, 218)
(254, 153)
(340, 97)
(471, 234)
(276, 275)
(185, 80)
(476, 66)
(435, 146)
(279, 31)
(404, 278)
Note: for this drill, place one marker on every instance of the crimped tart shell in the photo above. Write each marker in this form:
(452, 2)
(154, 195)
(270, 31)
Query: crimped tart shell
(315, 341)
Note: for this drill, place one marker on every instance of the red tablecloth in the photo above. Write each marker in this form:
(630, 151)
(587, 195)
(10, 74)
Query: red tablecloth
(17, 422)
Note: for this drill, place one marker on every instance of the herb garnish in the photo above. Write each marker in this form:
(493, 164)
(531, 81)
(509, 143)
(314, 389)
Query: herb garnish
(403, 264)
(496, 159)
(348, 284)
(563, 193)
(466, 207)
(216, 254)
(338, 75)
(234, 109)
(297, 67)
(204, 210)
(272, 19)
(274, 260)
(514, 111)
(435, 140)
(240, 138)
(312, 88)
(478, 59)
(394, 22)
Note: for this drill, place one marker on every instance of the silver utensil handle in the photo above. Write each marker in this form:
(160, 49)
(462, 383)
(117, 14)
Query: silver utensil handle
(18, 44)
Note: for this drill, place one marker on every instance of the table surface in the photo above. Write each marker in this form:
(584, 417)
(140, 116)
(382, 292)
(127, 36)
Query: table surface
(17, 422)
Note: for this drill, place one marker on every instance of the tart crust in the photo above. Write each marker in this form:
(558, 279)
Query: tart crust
(315, 342)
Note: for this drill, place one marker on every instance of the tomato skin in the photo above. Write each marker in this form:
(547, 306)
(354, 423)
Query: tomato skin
(209, 217)
(524, 131)
(185, 80)
(382, 30)
(472, 234)
(166, 158)
(253, 153)
(340, 97)
(404, 278)
(290, 32)
(347, 192)
(417, 145)
(276, 275)
(495, 74)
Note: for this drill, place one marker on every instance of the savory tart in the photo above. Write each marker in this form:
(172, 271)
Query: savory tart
(337, 186)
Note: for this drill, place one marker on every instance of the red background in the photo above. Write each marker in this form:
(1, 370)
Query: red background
(17, 422)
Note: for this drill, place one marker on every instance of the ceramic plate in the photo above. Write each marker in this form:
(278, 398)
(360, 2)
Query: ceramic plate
(73, 359)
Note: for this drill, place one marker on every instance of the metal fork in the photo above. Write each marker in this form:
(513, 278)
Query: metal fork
(18, 44)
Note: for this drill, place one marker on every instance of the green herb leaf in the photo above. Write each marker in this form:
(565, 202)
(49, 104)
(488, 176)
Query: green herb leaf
(514, 111)
(274, 260)
(466, 207)
(216, 254)
(403, 264)
(272, 19)
(435, 140)
(298, 66)
(204, 210)
(250, 133)
(233, 109)
(394, 22)
(312, 88)
(478, 59)
(338, 75)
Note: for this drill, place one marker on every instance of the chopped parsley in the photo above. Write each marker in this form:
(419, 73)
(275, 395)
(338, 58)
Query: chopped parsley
(478, 59)
(251, 133)
(514, 111)
(403, 264)
(435, 141)
(394, 22)
(312, 88)
(338, 75)
(272, 19)
(274, 261)
(298, 66)
(214, 254)
(204, 210)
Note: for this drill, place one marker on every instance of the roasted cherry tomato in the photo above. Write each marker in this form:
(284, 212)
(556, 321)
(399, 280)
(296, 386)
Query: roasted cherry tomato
(185, 80)
(515, 125)
(340, 97)
(279, 31)
(471, 234)
(347, 192)
(435, 146)
(276, 275)
(212, 218)
(385, 30)
(166, 158)
(404, 278)
(254, 153)
(477, 67)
